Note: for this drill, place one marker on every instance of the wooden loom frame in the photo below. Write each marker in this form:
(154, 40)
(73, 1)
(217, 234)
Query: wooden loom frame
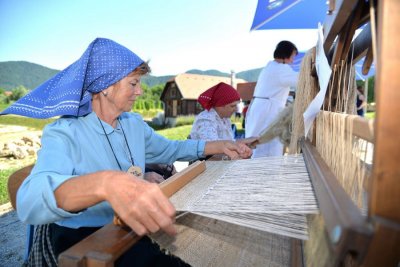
(354, 239)
(374, 241)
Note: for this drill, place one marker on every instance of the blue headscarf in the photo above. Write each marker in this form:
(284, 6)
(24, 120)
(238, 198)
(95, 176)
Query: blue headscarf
(104, 63)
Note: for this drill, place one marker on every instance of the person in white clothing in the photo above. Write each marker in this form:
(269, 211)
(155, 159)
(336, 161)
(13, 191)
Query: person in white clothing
(213, 123)
(270, 95)
(239, 109)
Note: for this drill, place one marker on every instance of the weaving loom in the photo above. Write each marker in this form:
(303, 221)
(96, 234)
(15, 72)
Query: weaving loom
(359, 220)
(246, 216)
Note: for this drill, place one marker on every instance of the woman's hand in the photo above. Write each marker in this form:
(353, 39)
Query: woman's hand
(233, 150)
(237, 150)
(140, 204)
(251, 142)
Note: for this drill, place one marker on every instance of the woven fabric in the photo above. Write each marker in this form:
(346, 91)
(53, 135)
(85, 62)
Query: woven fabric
(69, 92)
(271, 194)
(203, 241)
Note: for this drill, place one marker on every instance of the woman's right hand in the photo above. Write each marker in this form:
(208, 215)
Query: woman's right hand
(140, 204)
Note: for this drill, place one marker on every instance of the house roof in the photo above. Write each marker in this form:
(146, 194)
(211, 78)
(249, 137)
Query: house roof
(246, 90)
(192, 85)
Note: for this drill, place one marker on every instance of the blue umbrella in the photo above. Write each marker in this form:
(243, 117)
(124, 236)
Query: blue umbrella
(289, 14)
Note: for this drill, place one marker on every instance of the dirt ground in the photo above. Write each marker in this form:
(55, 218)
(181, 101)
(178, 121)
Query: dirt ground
(12, 237)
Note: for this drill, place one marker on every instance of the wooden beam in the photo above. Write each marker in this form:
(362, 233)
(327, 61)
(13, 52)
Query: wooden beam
(361, 44)
(360, 127)
(331, 6)
(369, 58)
(105, 245)
(296, 253)
(384, 201)
(345, 36)
(384, 249)
(385, 187)
(180, 179)
(335, 22)
(347, 228)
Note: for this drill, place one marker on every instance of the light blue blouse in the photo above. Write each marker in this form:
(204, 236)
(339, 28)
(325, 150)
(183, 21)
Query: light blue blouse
(73, 146)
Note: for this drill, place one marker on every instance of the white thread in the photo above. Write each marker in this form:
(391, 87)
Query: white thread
(271, 194)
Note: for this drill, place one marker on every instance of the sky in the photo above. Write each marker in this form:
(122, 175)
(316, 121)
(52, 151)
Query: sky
(174, 35)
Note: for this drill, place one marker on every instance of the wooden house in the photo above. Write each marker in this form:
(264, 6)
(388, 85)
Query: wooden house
(181, 92)
(246, 90)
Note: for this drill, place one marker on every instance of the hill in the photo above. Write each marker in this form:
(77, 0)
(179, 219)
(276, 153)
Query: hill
(30, 75)
(155, 80)
(209, 72)
(248, 75)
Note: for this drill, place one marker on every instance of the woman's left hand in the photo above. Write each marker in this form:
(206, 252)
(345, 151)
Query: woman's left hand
(237, 150)
(234, 150)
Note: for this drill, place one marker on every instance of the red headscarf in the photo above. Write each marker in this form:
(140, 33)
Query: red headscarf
(217, 96)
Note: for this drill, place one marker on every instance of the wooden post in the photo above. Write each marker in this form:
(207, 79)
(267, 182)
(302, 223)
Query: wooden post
(385, 187)
(384, 201)
(366, 95)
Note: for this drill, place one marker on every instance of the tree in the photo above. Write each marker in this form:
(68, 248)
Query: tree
(18, 92)
(157, 90)
(4, 99)
(371, 88)
(150, 99)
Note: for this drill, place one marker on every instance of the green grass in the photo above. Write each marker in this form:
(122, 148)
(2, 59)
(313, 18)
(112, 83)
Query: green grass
(176, 133)
(3, 106)
(37, 124)
(185, 120)
(3, 184)
(370, 115)
(148, 114)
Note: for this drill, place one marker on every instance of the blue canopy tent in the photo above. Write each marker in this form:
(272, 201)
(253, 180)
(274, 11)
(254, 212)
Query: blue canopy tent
(359, 76)
(289, 14)
(296, 14)
(297, 61)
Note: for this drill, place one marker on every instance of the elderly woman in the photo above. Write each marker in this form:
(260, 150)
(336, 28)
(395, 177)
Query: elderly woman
(91, 158)
(270, 96)
(219, 103)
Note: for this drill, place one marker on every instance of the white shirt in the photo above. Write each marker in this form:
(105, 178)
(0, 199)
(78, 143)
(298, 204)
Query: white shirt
(239, 107)
(209, 126)
(271, 93)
